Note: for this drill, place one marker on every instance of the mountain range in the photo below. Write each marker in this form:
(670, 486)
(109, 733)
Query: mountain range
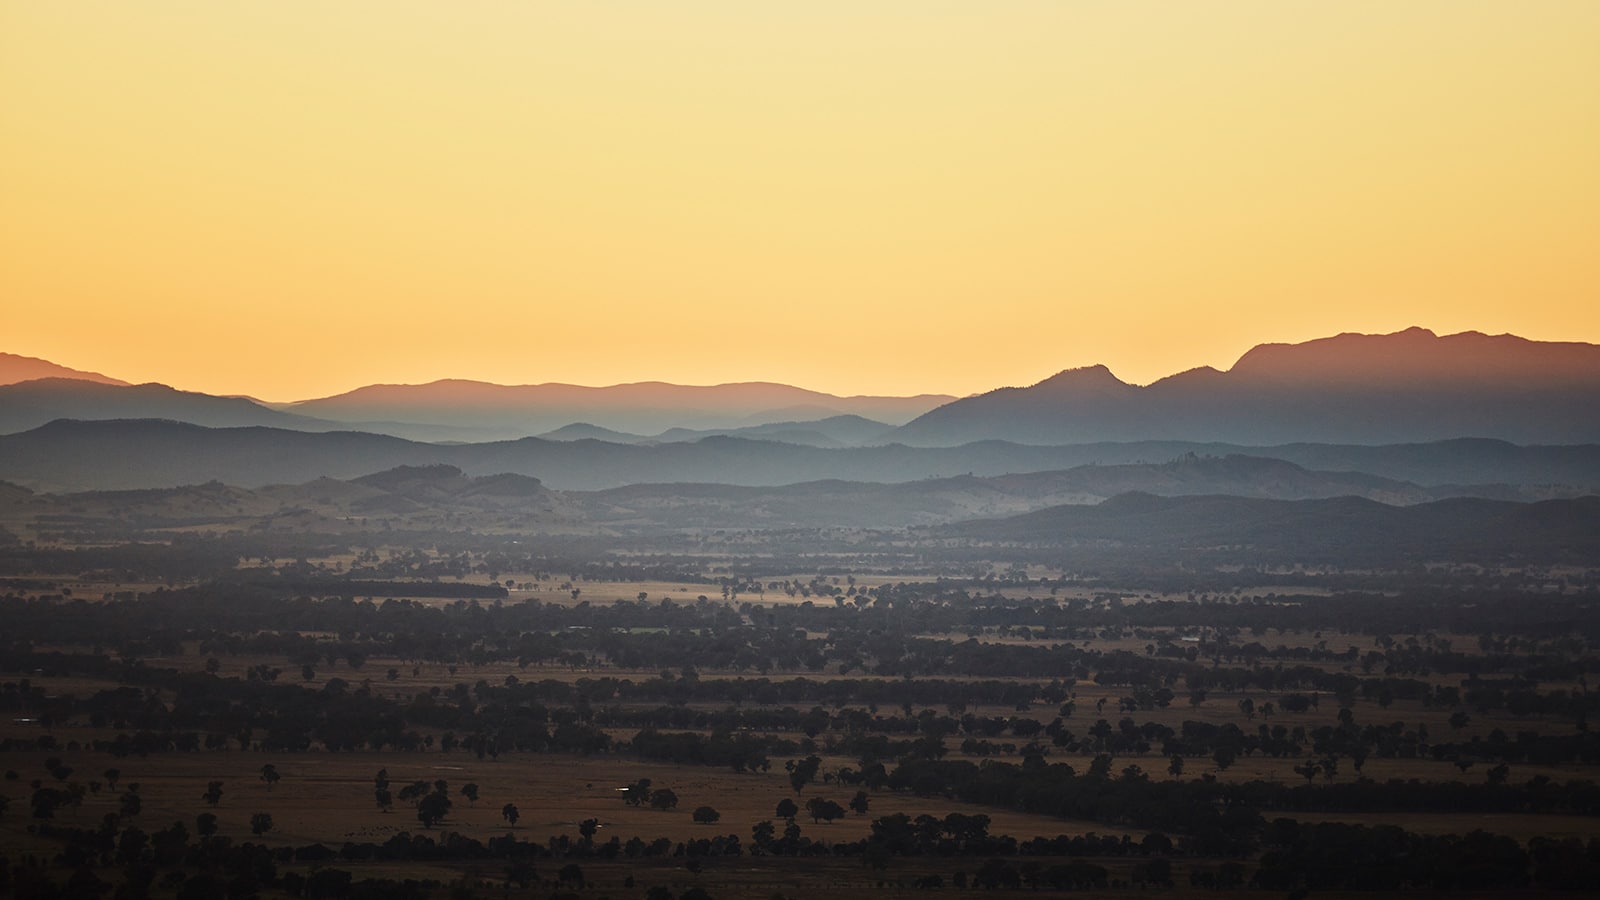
(644, 408)
(1491, 416)
(1189, 525)
(126, 454)
(1410, 386)
(442, 496)
(1348, 531)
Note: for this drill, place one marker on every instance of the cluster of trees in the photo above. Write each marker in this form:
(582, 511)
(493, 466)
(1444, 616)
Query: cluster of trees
(1295, 856)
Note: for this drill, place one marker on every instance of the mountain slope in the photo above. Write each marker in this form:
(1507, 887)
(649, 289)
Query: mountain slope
(67, 455)
(1364, 389)
(1349, 530)
(30, 404)
(941, 500)
(641, 408)
(14, 368)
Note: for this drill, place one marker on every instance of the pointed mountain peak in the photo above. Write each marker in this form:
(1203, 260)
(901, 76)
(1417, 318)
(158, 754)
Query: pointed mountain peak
(1096, 376)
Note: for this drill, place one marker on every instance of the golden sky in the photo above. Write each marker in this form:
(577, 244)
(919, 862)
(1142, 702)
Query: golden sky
(290, 199)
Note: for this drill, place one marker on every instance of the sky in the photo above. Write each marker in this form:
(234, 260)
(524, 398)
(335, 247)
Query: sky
(290, 199)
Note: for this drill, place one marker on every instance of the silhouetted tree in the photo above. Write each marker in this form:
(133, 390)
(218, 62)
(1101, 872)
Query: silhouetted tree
(705, 815)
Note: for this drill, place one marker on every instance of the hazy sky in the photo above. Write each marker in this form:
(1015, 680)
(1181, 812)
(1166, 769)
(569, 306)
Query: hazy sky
(289, 199)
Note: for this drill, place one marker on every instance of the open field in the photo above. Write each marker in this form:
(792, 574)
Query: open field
(1024, 725)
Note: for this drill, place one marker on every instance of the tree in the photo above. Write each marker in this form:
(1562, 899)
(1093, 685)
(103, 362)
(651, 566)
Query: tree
(786, 809)
(260, 823)
(433, 808)
(112, 776)
(384, 798)
(269, 774)
(510, 813)
(823, 810)
(705, 815)
(414, 792)
(46, 801)
(1100, 766)
(205, 824)
(637, 793)
(470, 791)
(859, 803)
(1156, 871)
(1175, 766)
(664, 799)
(587, 829)
(802, 772)
(1224, 756)
(213, 794)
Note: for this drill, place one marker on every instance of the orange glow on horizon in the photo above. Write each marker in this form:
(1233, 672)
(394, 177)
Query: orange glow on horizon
(293, 199)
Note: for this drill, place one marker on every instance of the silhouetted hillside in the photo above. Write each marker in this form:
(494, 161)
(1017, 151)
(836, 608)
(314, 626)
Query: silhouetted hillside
(1360, 389)
(834, 431)
(31, 404)
(14, 368)
(937, 500)
(642, 408)
(145, 453)
(141, 453)
(1349, 530)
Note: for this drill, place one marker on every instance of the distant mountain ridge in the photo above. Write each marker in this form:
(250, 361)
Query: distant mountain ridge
(442, 496)
(14, 368)
(67, 455)
(640, 408)
(29, 404)
(1408, 386)
(834, 431)
(1346, 530)
(1174, 525)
